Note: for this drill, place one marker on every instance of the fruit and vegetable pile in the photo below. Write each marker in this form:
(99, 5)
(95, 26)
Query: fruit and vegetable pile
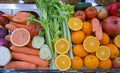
(64, 37)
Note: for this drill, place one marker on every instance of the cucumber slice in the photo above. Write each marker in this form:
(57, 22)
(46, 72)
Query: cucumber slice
(5, 56)
(45, 52)
(38, 42)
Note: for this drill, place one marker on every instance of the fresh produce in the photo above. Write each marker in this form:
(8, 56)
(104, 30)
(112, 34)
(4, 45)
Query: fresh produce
(30, 58)
(19, 25)
(91, 12)
(25, 50)
(62, 62)
(45, 53)
(20, 37)
(3, 20)
(105, 2)
(5, 56)
(7, 38)
(95, 24)
(91, 44)
(116, 63)
(43, 68)
(80, 14)
(116, 41)
(105, 64)
(105, 39)
(102, 13)
(38, 42)
(10, 27)
(99, 32)
(103, 53)
(3, 32)
(62, 46)
(77, 63)
(75, 23)
(20, 65)
(8, 16)
(82, 6)
(3, 42)
(111, 25)
(114, 9)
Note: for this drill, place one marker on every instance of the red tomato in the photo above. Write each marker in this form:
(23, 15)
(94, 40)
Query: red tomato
(34, 29)
(91, 12)
(80, 14)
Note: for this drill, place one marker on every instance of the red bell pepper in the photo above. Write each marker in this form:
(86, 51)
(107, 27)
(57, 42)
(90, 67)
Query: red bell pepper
(114, 8)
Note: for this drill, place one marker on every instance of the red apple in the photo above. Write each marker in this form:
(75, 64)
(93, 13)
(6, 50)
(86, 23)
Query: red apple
(116, 63)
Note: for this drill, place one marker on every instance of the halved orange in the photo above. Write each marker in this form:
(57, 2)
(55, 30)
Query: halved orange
(75, 23)
(103, 53)
(91, 44)
(61, 46)
(117, 41)
(62, 62)
(20, 37)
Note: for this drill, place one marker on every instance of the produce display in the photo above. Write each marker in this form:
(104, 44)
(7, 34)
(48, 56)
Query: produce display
(64, 37)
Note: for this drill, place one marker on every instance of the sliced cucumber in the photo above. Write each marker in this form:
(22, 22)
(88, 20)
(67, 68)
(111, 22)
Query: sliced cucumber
(38, 42)
(45, 52)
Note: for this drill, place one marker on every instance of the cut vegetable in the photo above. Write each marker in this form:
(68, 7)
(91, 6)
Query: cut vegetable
(98, 33)
(95, 24)
(45, 52)
(5, 56)
(20, 37)
(38, 42)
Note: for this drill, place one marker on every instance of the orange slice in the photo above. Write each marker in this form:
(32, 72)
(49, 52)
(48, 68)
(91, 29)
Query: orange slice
(75, 24)
(103, 53)
(61, 46)
(117, 41)
(20, 37)
(91, 44)
(62, 62)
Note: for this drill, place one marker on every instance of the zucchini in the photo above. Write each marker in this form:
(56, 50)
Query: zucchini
(82, 6)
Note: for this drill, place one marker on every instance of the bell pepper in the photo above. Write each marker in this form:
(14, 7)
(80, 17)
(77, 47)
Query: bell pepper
(114, 8)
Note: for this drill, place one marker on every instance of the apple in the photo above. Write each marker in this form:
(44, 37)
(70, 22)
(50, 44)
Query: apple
(116, 62)
(102, 13)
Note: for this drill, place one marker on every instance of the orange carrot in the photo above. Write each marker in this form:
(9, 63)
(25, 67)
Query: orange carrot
(95, 24)
(43, 68)
(18, 25)
(25, 50)
(29, 44)
(10, 27)
(22, 14)
(30, 58)
(20, 65)
(19, 19)
(8, 16)
(98, 33)
(7, 38)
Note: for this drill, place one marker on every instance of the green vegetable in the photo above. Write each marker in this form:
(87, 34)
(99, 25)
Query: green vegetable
(82, 6)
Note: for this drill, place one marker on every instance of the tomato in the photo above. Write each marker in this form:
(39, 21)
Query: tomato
(80, 14)
(91, 12)
(34, 29)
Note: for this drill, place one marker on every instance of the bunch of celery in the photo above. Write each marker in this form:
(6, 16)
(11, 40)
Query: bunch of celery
(54, 16)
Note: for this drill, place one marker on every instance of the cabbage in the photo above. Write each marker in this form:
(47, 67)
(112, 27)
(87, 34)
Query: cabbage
(3, 42)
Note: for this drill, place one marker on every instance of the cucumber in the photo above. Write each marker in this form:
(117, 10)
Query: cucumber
(38, 42)
(45, 53)
(82, 6)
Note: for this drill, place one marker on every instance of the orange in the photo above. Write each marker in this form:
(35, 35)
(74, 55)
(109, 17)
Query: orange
(114, 52)
(75, 23)
(105, 64)
(61, 46)
(103, 53)
(105, 39)
(20, 37)
(117, 41)
(77, 63)
(79, 50)
(87, 27)
(91, 61)
(91, 44)
(62, 62)
(77, 37)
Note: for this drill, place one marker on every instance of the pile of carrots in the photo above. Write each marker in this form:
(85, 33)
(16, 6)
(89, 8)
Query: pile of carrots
(25, 57)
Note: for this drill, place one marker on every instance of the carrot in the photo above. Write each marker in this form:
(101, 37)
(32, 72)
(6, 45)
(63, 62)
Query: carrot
(18, 25)
(98, 33)
(95, 24)
(19, 19)
(29, 44)
(8, 16)
(10, 27)
(25, 50)
(43, 68)
(30, 58)
(22, 14)
(20, 65)
(7, 38)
